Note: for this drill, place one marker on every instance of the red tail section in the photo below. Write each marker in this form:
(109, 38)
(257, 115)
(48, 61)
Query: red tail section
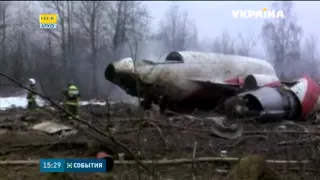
(308, 92)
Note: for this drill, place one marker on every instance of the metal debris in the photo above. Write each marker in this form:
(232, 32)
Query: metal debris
(282, 127)
(223, 153)
(217, 120)
(232, 132)
(53, 128)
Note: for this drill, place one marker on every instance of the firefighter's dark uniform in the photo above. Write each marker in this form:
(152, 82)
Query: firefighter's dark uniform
(32, 104)
(72, 100)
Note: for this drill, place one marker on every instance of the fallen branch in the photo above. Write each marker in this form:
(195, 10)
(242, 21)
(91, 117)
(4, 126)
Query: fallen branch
(243, 132)
(301, 141)
(277, 132)
(245, 138)
(209, 131)
(223, 171)
(39, 145)
(291, 123)
(167, 161)
(193, 159)
(159, 131)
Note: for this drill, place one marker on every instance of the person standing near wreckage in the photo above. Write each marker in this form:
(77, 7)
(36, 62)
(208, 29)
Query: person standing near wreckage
(72, 97)
(31, 97)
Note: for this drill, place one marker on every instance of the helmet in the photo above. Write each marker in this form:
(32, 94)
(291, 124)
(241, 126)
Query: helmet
(32, 81)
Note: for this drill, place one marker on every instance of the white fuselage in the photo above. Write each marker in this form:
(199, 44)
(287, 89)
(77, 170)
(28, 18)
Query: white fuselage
(175, 79)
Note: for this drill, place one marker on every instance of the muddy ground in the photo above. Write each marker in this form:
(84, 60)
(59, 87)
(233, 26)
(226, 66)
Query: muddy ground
(157, 137)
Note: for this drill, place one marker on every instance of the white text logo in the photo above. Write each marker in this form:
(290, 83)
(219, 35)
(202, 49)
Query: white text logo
(264, 14)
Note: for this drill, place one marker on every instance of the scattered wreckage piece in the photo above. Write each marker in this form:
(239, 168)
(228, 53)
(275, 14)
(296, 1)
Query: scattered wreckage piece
(187, 80)
(292, 102)
(284, 125)
(232, 132)
(52, 128)
(218, 128)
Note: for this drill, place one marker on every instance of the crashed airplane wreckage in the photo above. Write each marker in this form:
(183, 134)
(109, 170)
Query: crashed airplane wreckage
(196, 80)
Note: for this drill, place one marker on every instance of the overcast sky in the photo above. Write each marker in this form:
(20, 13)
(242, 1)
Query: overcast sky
(213, 17)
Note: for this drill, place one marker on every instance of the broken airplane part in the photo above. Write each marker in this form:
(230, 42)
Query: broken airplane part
(293, 102)
(189, 80)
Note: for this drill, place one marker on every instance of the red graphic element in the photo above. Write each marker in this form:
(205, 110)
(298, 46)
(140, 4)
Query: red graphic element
(235, 81)
(240, 82)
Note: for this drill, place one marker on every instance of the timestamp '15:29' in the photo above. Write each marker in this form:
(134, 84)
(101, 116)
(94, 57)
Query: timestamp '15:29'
(52, 165)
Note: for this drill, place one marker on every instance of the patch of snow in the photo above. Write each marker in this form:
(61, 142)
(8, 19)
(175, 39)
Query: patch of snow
(21, 101)
(95, 102)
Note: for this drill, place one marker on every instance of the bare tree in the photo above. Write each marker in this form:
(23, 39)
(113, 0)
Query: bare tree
(138, 29)
(3, 18)
(309, 55)
(129, 24)
(87, 33)
(127, 27)
(89, 14)
(224, 44)
(282, 38)
(120, 22)
(19, 31)
(177, 30)
(60, 36)
(71, 45)
(246, 44)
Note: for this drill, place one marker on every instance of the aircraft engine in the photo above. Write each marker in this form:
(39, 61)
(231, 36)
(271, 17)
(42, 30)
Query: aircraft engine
(296, 102)
(254, 81)
(122, 73)
(124, 66)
